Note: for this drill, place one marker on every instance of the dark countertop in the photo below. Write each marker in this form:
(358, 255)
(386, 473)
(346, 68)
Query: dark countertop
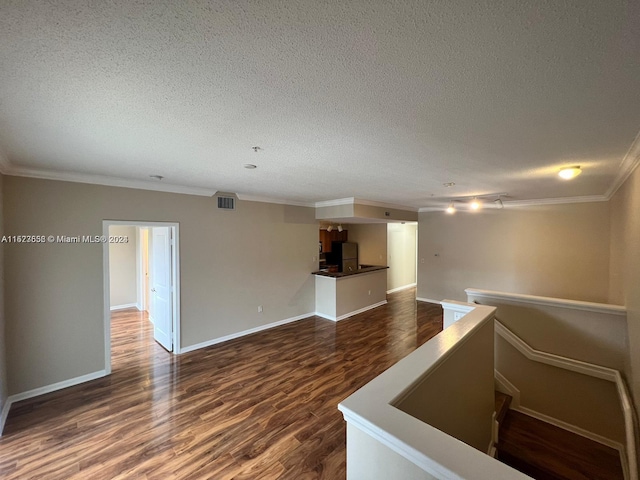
(362, 269)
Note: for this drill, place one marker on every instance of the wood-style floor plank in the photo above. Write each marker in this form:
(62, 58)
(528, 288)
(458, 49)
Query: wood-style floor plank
(261, 406)
(547, 452)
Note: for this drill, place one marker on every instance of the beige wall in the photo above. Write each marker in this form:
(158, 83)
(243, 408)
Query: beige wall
(553, 250)
(624, 287)
(231, 262)
(3, 356)
(380, 213)
(123, 266)
(372, 242)
(458, 396)
(368, 459)
(401, 254)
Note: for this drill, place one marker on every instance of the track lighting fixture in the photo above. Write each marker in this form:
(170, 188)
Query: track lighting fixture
(329, 228)
(451, 209)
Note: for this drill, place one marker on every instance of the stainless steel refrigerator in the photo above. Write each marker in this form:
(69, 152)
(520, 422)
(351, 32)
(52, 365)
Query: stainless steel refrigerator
(345, 255)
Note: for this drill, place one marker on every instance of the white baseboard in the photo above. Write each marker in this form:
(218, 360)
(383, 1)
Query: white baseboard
(5, 414)
(505, 386)
(428, 300)
(571, 428)
(232, 336)
(350, 314)
(404, 287)
(125, 306)
(46, 389)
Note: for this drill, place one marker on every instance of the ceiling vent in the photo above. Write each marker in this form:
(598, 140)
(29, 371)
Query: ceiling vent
(227, 203)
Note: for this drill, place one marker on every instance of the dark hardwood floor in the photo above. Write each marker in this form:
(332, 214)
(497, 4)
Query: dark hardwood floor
(547, 452)
(262, 406)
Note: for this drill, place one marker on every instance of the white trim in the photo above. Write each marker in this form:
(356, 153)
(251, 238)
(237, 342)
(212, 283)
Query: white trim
(126, 305)
(629, 163)
(523, 203)
(350, 314)
(549, 301)
(597, 371)
(36, 392)
(72, 382)
(570, 428)
(428, 300)
(109, 181)
(5, 413)
(505, 386)
(371, 203)
(279, 201)
(334, 203)
(404, 287)
(558, 361)
(232, 336)
(495, 427)
(360, 201)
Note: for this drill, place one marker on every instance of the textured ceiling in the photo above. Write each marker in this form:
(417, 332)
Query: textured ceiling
(380, 100)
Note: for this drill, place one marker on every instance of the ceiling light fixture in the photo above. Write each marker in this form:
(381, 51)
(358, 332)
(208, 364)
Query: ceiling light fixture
(340, 228)
(475, 205)
(451, 209)
(498, 203)
(329, 228)
(570, 172)
(157, 177)
(448, 184)
(250, 166)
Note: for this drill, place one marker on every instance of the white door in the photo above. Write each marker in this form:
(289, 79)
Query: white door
(161, 308)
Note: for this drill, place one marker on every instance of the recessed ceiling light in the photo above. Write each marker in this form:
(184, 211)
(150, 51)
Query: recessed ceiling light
(156, 177)
(448, 184)
(570, 172)
(250, 166)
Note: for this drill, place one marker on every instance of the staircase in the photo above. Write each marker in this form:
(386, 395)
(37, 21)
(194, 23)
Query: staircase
(546, 452)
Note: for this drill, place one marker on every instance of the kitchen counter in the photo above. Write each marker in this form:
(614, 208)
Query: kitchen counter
(362, 269)
(340, 295)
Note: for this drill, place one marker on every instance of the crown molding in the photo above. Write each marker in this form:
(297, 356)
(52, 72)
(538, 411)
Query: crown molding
(108, 181)
(531, 203)
(333, 203)
(360, 201)
(371, 203)
(629, 163)
(556, 201)
(279, 201)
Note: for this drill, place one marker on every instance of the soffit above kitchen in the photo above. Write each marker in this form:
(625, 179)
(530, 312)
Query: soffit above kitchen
(384, 100)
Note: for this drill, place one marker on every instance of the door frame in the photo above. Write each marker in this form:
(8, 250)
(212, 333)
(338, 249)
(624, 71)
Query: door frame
(175, 279)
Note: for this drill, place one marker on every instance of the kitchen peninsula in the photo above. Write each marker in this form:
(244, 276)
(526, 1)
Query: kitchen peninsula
(340, 295)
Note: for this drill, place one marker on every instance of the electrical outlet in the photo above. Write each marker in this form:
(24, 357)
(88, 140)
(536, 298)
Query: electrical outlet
(259, 308)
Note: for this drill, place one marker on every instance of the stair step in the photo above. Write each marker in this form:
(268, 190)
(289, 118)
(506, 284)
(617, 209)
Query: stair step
(547, 452)
(502, 405)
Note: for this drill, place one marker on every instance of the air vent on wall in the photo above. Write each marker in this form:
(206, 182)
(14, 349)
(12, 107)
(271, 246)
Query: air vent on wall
(227, 203)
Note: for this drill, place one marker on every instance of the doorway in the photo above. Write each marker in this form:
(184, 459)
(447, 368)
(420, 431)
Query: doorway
(157, 280)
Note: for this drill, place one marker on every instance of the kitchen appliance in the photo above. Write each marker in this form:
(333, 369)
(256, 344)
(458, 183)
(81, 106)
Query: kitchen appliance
(345, 255)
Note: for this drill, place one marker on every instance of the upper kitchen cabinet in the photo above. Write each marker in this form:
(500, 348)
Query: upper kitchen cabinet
(333, 236)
